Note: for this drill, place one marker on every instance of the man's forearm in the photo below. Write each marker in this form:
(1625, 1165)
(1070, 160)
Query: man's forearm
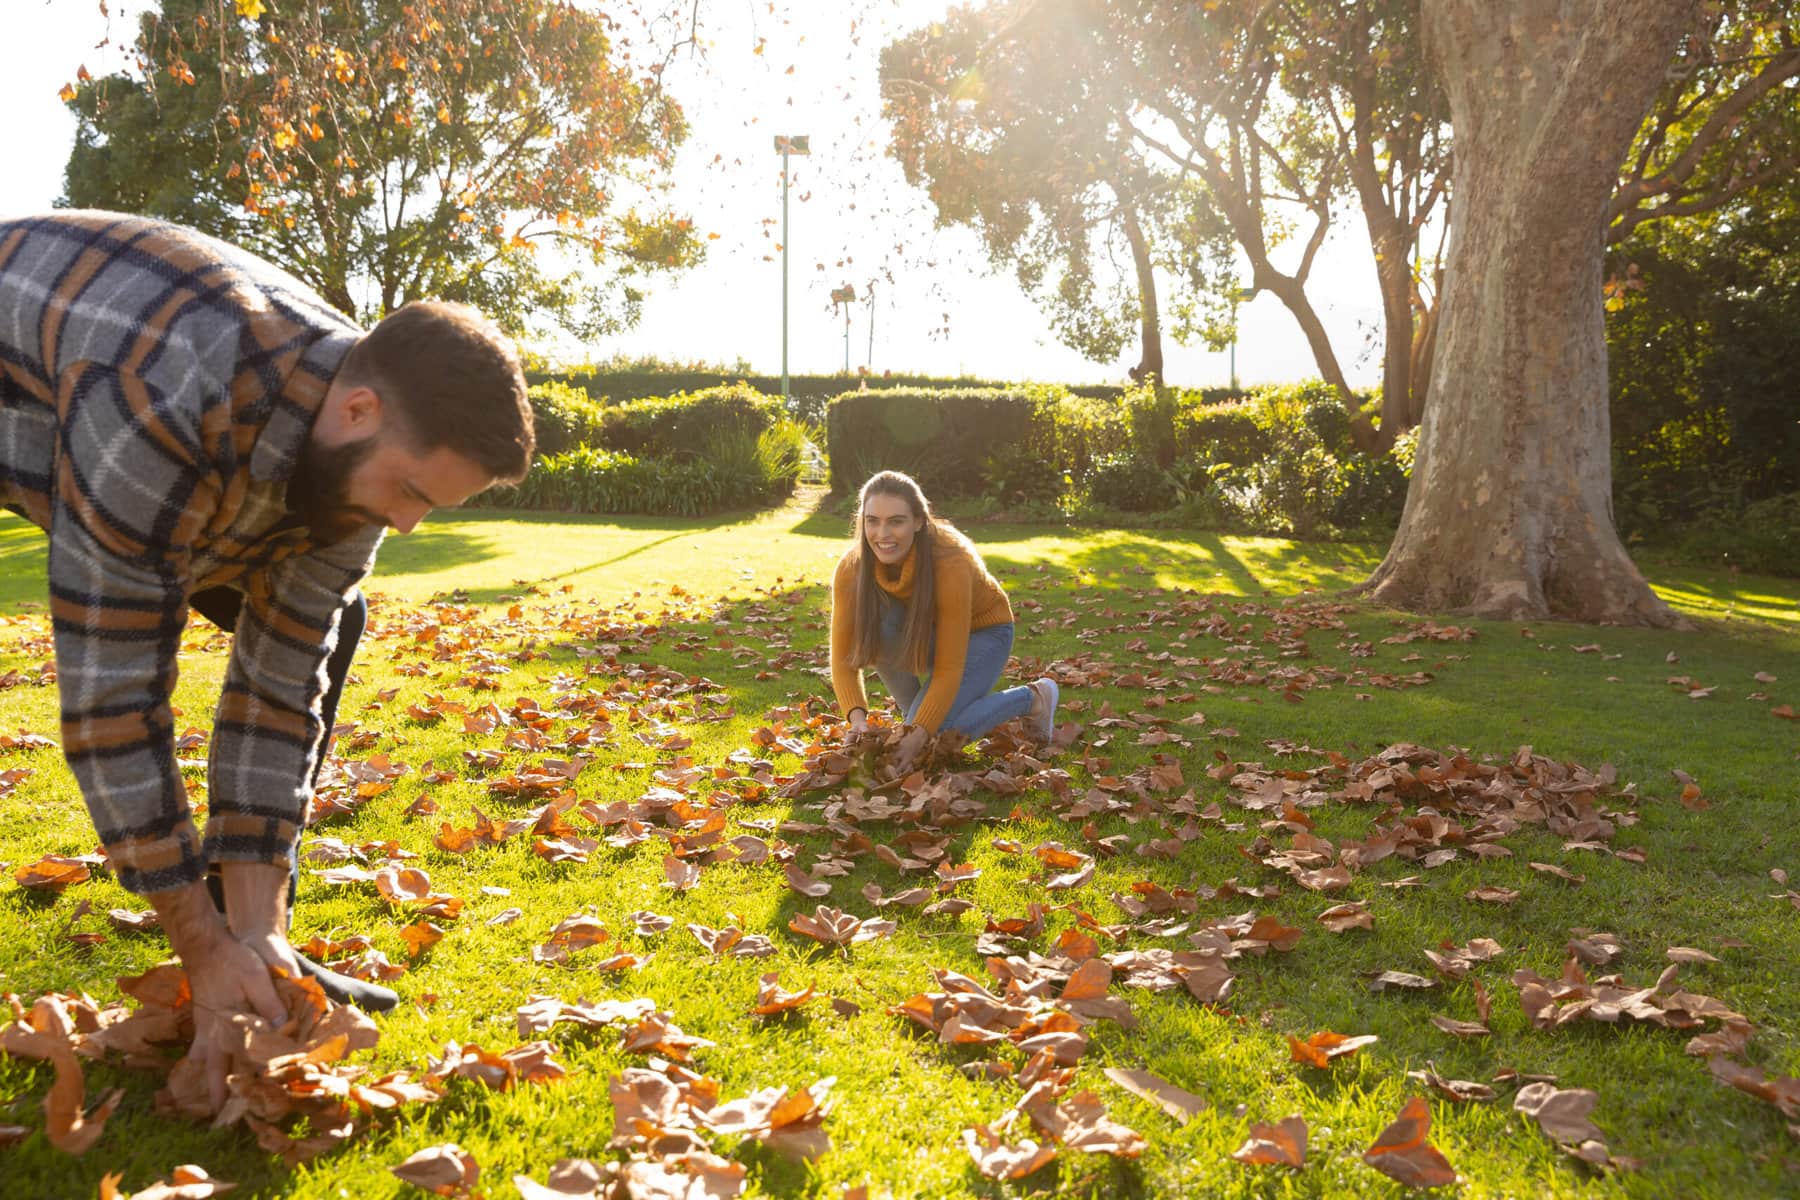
(190, 919)
(255, 898)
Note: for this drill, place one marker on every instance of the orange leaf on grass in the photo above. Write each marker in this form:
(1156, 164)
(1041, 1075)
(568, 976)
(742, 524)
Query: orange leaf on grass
(771, 998)
(1282, 1145)
(1323, 1046)
(1403, 1153)
(419, 937)
(53, 871)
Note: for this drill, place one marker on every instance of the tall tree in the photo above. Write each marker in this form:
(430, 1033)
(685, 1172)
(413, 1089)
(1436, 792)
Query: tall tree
(988, 118)
(386, 150)
(1510, 510)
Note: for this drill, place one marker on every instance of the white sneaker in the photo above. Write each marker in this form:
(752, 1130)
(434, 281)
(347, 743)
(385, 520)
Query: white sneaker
(1048, 694)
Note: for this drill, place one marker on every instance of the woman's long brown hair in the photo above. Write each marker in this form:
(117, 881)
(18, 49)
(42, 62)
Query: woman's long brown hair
(921, 611)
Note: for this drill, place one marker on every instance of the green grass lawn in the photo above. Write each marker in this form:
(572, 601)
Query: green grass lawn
(558, 611)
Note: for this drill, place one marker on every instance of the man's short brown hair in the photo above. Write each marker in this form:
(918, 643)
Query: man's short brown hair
(455, 381)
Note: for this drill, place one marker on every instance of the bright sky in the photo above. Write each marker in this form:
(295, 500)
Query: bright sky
(850, 210)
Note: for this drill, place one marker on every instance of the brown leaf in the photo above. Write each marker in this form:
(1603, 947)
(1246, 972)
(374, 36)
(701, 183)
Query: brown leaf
(1403, 1153)
(402, 885)
(1178, 1103)
(805, 884)
(1400, 979)
(448, 1170)
(569, 1179)
(1493, 894)
(134, 919)
(1327, 879)
(1688, 955)
(1783, 1093)
(1561, 1112)
(1460, 1090)
(1282, 1145)
(679, 873)
(997, 1160)
(1559, 872)
(1457, 1028)
(834, 927)
(1340, 918)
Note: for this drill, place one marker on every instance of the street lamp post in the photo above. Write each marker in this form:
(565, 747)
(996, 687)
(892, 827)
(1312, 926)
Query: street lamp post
(845, 296)
(787, 144)
(1243, 294)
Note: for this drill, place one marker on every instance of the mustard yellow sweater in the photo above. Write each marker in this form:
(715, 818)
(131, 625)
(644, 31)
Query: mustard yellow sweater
(967, 598)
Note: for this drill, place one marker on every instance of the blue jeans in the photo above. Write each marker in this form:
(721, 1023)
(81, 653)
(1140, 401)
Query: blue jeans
(977, 707)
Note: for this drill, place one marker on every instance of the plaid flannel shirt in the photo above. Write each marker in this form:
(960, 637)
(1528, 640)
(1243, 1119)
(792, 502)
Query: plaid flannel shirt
(156, 388)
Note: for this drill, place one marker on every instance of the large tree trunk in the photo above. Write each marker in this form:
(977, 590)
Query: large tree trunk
(1510, 510)
(1150, 359)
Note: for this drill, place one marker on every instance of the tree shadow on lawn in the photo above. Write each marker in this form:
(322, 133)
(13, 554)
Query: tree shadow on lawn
(1208, 563)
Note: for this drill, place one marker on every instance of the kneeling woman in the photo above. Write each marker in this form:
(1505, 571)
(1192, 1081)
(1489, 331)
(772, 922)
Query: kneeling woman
(912, 596)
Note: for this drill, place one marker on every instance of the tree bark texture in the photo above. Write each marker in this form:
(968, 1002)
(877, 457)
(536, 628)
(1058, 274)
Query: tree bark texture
(1150, 358)
(1509, 514)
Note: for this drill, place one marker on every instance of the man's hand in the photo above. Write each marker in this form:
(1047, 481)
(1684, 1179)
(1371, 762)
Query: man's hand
(859, 720)
(228, 974)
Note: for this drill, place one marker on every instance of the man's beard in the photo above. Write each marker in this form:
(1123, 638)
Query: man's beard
(318, 492)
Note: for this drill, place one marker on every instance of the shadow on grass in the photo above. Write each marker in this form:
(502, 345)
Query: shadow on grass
(1205, 562)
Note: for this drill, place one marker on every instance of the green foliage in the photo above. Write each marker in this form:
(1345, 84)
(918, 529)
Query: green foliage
(664, 425)
(993, 122)
(565, 417)
(1763, 537)
(1132, 484)
(941, 438)
(1226, 433)
(685, 455)
(734, 469)
(621, 380)
(386, 151)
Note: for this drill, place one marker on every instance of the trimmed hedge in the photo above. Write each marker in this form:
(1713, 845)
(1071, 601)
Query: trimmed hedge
(944, 439)
(564, 417)
(658, 426)
(810, 394)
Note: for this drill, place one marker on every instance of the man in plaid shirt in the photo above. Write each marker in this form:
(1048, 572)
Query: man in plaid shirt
(193, 428)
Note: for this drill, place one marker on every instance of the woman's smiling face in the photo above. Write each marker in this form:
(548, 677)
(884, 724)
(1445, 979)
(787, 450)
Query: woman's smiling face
(889, 527)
